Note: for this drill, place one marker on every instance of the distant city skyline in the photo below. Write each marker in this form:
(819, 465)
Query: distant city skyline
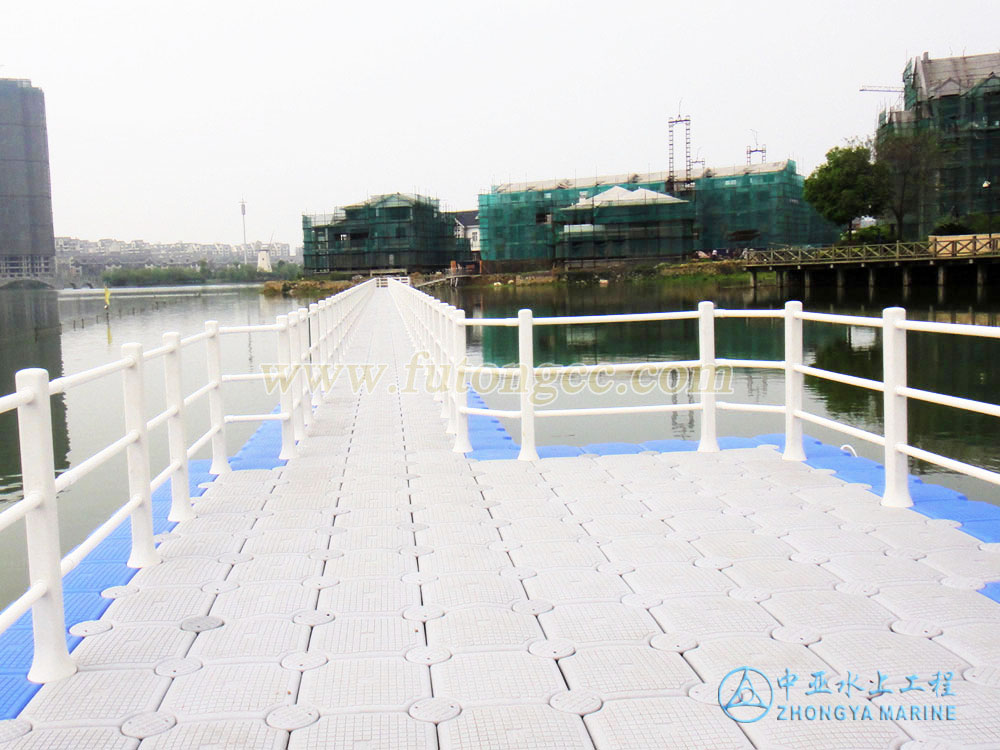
(162, 118)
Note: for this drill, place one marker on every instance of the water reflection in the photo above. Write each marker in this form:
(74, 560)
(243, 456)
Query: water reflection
(955, 365)
(29, 337)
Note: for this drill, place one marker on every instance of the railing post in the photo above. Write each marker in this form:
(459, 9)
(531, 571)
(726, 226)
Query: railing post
(462, 444)
(217, 416)
(284, 380)
(180, 489)
(324, 332)
(316, 357)
(439, 357)
(794, 383)
(706, 376)
(137, 460)
(306, 357)
(526, 363)
(450, 367)
(295, 372)
(51, 660)
(897, 489)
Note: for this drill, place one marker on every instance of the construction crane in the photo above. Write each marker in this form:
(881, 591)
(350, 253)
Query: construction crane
(883, 89)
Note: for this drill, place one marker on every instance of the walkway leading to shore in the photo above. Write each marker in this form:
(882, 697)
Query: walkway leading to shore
(381, 591)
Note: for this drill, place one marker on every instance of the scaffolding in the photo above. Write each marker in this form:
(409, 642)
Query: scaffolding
(958, 100)
(400, 230)
(562, 222)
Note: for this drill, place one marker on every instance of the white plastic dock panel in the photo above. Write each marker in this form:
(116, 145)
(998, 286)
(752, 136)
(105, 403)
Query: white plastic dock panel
(381, 591)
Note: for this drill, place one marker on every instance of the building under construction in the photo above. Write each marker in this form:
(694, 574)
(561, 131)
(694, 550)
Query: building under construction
(27, 245)
(396, 231)
(957, 99)
(655, 216)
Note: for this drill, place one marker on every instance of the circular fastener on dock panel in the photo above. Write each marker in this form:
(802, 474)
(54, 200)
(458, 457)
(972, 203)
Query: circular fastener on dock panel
(857, 588)
(146, 725)
(435, 710)
(338, 511)
(90, 627)
(313, 617)
(415, 550)
(423, 612)
(219, 587)
(495, 523)
(202, 623)
(160, 538)
(579, 702)
(916, 628)
(905, 553)
(748, 594)
(983, 675)
(990, 547)
(291, 718)
(484, 503)
(796, 634)
(325, 554)
(178, 666)
(594, 541)
(553, 648)
(643, 601)
(809, 558)
(683, 536)
(503, 546)
(232, 558)
(318, 583)
(117, 592)
(713, 562)
(862, 528)
(412, 526)
(963, 582)
(675, 642)
(418, 578)
(615, 568)
(531, 606)
(942, 523)
(428, 655)
(577, 519)
(657, 515)
(519, 573)
(739, 511)
(704, 692)
(11, 729)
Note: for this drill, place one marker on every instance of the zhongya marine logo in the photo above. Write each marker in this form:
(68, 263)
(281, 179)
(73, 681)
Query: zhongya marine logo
(745, 695)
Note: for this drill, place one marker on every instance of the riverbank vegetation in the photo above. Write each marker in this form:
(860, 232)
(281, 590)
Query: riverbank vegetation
(205, 273)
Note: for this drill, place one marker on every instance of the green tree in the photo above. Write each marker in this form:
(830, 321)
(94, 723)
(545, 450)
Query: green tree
(847, 186)
(910, 162)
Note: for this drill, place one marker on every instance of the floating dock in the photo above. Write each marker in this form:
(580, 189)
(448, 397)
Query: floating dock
(379, 590)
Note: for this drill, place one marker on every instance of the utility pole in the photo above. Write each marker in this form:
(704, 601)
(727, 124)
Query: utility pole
(243, 211)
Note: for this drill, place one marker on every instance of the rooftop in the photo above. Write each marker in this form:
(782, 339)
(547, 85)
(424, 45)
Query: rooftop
(641, 177)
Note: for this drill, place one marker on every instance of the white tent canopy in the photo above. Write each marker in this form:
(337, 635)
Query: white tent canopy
(619, 196)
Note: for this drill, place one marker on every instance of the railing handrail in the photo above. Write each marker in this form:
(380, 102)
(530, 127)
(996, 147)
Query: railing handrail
(934, 248)
(429, 320)
(326, 323)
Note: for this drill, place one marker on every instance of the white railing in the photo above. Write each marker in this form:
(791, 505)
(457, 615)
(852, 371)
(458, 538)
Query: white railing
(439, 329)
(313, 337)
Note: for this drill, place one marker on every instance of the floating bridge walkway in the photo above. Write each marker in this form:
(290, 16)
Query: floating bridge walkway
(374, 588)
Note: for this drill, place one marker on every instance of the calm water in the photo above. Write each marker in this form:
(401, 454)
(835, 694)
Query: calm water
(955, 365)
(67, 332)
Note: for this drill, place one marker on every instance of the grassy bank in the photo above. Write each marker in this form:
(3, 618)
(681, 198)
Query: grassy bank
(722, 274)
(719, 273)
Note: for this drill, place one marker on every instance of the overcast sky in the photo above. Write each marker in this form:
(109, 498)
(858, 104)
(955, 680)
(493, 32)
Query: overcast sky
(162, 116)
